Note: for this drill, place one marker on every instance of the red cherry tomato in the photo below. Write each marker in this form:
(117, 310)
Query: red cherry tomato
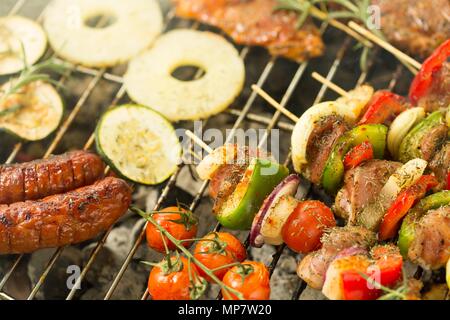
(173, 284)
(250, 278)
(306, 224)
(179, 222)
(224, 250)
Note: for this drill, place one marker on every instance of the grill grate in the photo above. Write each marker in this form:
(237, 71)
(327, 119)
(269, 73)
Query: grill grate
(243, 114)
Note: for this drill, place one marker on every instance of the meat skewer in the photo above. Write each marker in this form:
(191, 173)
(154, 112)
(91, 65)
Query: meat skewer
(63, 219)
(41, 178)
(350, 243)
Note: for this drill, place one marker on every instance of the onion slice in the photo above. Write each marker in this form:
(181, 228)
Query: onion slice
(288, 187)
(401, 126)
(225, 154)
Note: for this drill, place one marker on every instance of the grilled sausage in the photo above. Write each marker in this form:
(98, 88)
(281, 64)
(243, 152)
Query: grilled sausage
(41, 178)
(63, 219)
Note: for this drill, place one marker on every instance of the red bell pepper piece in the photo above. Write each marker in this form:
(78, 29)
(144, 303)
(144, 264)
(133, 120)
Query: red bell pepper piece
(390, 262)
(386, 270)
(404, 201)
(383, 108)
(423, 80)
(355, 287)
(358, 154)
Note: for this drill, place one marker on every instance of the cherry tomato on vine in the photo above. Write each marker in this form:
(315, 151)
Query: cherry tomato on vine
(179, 222)
(174, 281)
(306, 224)
(217, 250)
(250, 278)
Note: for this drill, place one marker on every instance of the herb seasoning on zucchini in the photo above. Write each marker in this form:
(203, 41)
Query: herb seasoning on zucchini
(138, 143)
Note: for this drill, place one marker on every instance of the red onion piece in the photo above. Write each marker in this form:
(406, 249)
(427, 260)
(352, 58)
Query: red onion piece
(288, 186)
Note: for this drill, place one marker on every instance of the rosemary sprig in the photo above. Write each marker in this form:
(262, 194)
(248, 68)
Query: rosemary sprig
(30, 74)
(190, 257)
(34, 73)
(357, 10)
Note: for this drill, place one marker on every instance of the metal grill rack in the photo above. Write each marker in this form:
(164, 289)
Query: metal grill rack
(241, 114)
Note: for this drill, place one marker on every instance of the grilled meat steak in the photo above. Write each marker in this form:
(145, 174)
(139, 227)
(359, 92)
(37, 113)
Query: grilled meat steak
(57, 174)
(361, 187)
(431, 245)
(254, 22)
(440, 165)
(63, 219)
(320, 145)
(313, 267)
(415, 26)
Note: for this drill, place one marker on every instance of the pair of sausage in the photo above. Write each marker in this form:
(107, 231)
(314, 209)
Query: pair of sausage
(73, 206)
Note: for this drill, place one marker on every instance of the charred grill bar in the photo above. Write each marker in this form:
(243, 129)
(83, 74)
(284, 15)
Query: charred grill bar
(244, 114)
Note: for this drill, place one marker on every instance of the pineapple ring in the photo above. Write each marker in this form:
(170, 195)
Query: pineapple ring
(16, 31)
(137, 24)
(149, 79)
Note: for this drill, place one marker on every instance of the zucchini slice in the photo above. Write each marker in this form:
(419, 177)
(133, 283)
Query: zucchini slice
(16, 31)
(33, 113)
(138, 143)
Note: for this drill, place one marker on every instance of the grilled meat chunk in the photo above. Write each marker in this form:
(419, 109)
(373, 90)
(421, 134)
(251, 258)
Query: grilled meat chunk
(255, 22)
(225, 179)
(433, 141)
(63, 219)
(417, 27)
(431, 245)
(321, 143)
(361, 187)
(313, 267)
(224, 182)
(41, 178)
(440, 165)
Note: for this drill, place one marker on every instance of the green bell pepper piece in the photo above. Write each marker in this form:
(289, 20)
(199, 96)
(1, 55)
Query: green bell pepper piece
(259, 180)
(410, 146)
(407, 230)
(334, 168)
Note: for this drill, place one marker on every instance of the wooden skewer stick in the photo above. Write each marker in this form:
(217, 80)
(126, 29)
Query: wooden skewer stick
(319, 14)
(274, 104)
(330, 84)
(387, 46)
(199, 141)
